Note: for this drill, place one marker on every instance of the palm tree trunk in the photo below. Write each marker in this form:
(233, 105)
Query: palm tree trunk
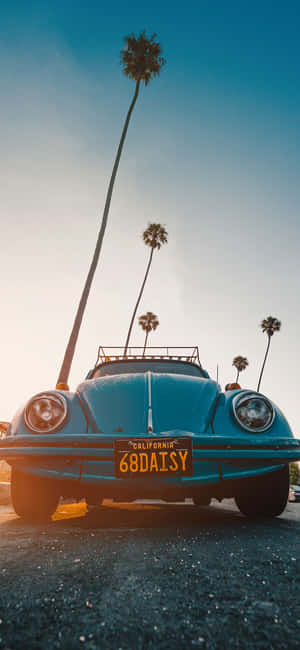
(264, 363)
(145, 344)
(237, 377)
(138, 302)
(69, 353)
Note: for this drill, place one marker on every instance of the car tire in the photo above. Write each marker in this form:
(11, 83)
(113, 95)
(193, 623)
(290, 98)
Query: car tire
(264, 496)
(32, 497)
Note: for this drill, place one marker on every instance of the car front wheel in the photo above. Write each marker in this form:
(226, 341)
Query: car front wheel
(32, 497)
(264, 496)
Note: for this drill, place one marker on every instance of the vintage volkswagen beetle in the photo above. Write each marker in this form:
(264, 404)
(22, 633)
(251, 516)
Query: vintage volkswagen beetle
(149, 426)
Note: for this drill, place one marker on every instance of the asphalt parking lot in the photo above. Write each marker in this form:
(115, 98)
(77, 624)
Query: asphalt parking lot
(150, 575)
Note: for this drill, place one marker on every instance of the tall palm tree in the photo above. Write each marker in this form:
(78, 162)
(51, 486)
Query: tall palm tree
(148, 322)
(142, 60)
(269, 326)
(154, 236)
(240, 363)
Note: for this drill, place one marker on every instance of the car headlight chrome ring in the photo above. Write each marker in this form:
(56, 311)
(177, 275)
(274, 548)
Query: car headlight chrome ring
(46, 413)
(253, 412)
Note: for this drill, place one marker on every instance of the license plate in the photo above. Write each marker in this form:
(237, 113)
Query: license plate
(152, 457)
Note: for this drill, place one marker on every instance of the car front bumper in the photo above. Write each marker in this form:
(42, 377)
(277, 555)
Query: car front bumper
(101, 447)
(81, 463)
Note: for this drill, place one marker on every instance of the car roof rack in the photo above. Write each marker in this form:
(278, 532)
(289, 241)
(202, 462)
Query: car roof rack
(173, 353)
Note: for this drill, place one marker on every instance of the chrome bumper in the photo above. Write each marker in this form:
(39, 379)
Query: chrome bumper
(100, 447)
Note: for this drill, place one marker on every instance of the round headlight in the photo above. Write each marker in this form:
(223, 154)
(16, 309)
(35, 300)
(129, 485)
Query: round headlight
(46, 413)
(253, 412)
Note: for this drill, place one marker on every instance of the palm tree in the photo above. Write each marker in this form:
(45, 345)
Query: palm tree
(154, 236)
(148, 322)
(269, 326)
(240, 363)
(142, 60)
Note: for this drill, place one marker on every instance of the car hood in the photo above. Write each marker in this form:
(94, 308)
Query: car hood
(121, 403)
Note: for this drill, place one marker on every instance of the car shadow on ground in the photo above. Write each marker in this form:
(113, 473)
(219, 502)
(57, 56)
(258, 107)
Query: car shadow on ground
(153, 515)
(136, 515)
(170, 516)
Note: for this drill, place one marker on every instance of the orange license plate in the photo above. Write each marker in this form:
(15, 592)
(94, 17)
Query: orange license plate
(136, 457)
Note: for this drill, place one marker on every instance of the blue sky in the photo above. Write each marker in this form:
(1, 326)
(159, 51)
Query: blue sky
(212, 152)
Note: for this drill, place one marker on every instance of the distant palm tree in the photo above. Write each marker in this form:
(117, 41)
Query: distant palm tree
(148, 322)
(154, 236)
(240, 363)
(142, 60)
(269, 326)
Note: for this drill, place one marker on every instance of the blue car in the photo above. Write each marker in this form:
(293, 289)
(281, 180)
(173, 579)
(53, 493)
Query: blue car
(149, 426)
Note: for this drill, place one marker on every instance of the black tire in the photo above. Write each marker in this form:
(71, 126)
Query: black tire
(32, 497)
(264, 496)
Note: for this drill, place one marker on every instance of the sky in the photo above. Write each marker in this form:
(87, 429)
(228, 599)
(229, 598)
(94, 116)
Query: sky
(212, 153)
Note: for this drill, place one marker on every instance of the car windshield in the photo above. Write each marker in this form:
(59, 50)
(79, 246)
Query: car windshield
(123, 367)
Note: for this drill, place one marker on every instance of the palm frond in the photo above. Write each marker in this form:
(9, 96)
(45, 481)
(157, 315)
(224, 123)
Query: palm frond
(240, 363)
(155, 235)
(141, 57)
(270, 325)
(148, 321)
